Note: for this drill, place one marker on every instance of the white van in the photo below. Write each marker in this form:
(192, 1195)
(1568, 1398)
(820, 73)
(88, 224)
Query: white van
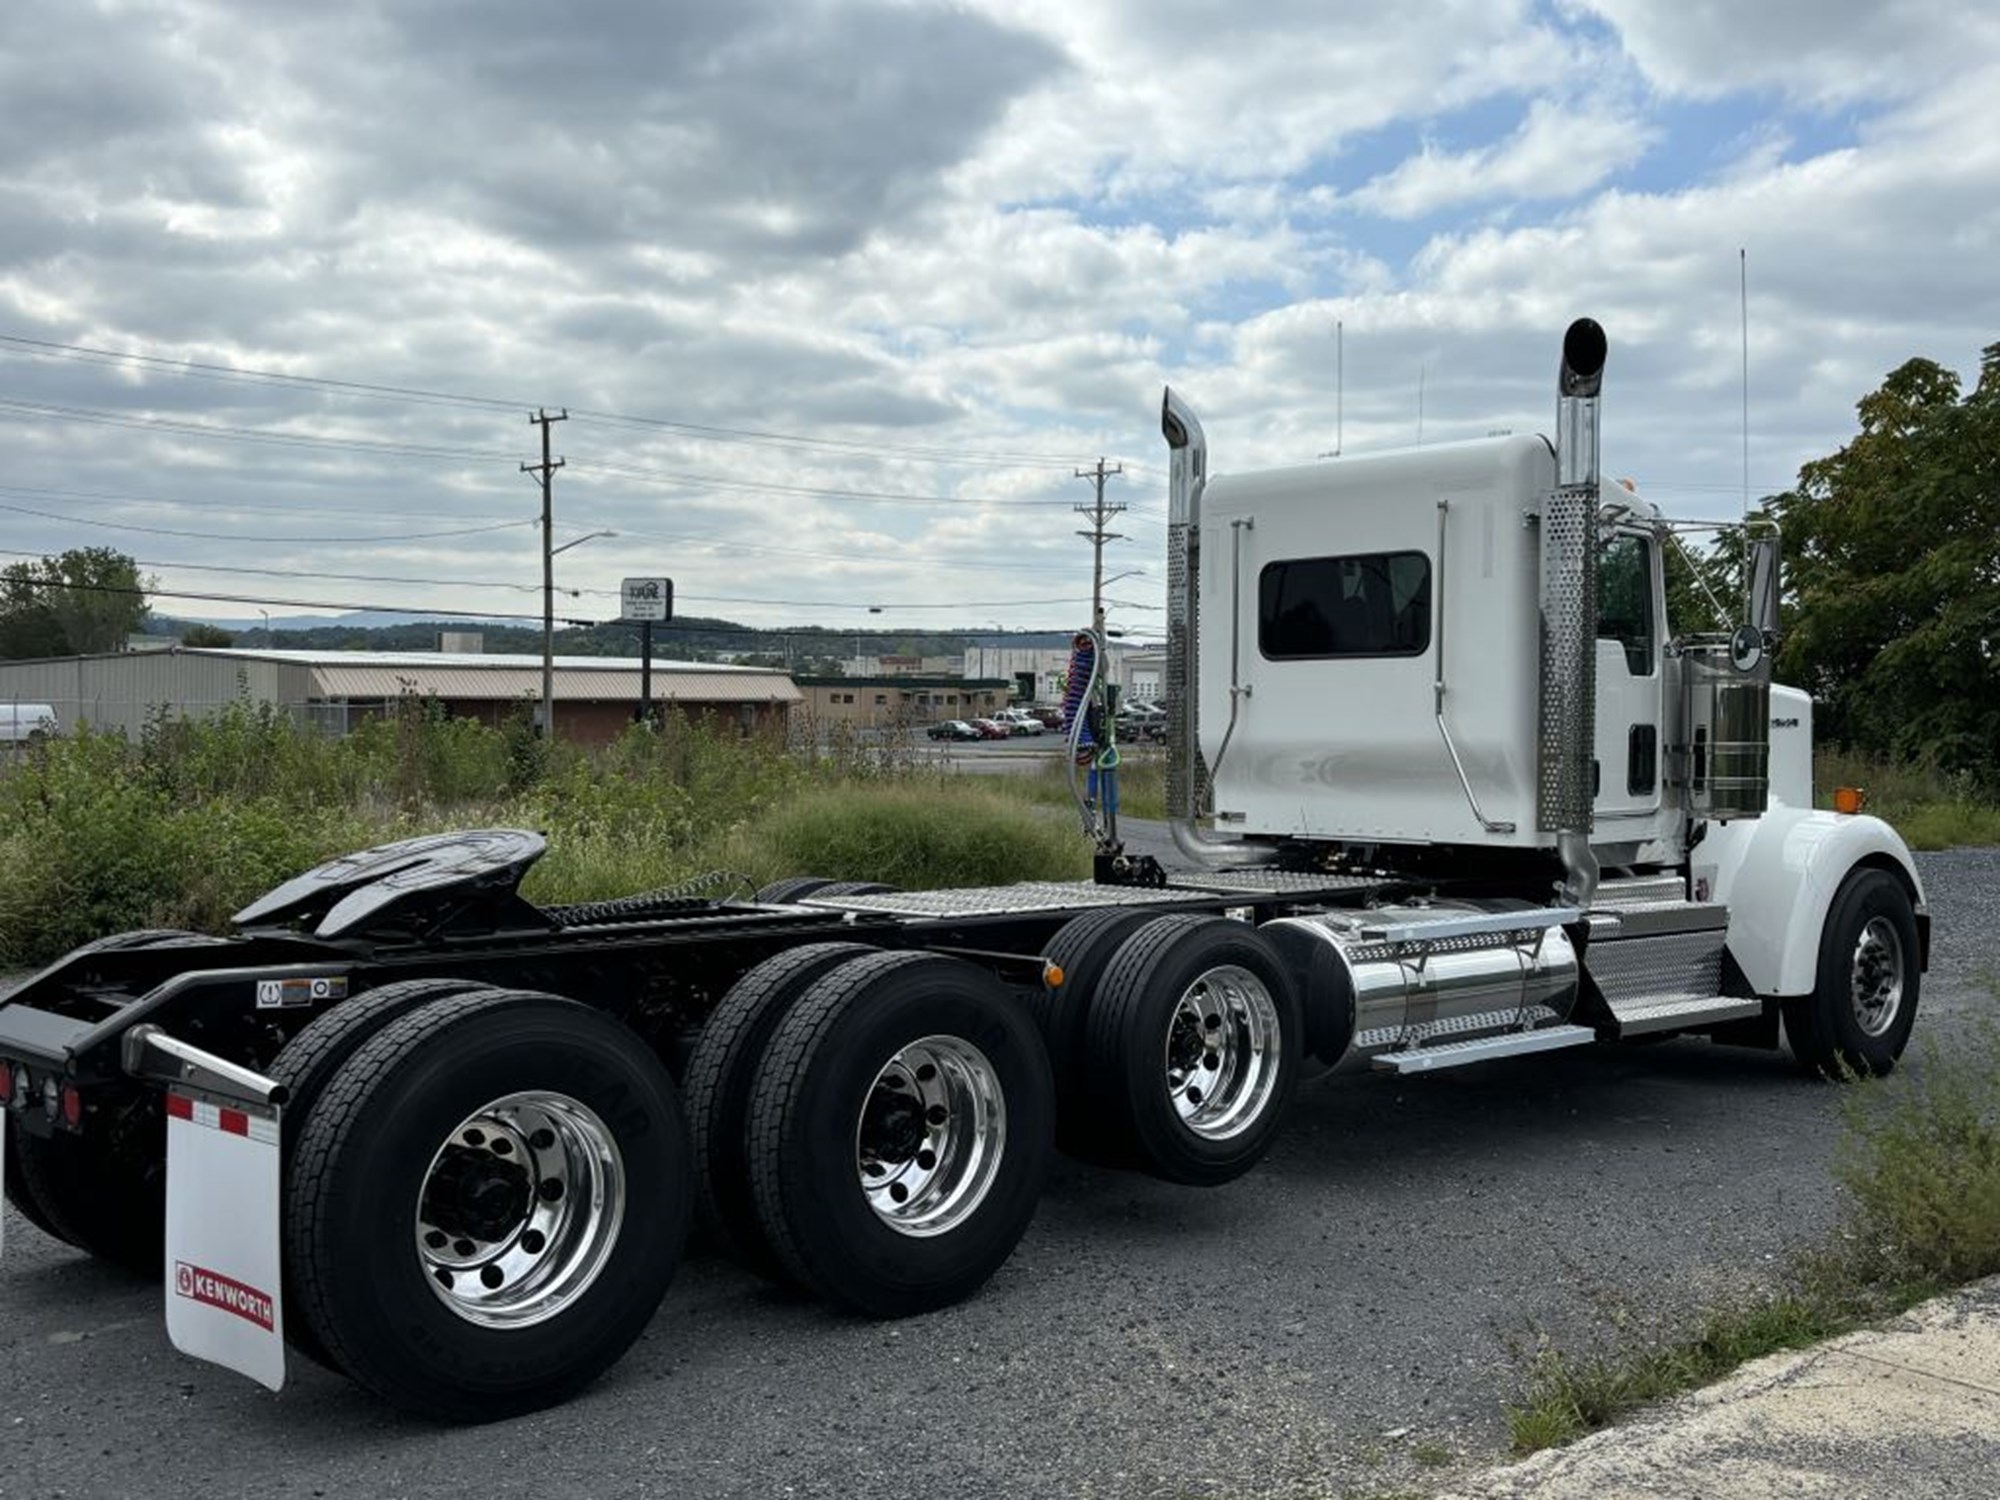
(22, 723)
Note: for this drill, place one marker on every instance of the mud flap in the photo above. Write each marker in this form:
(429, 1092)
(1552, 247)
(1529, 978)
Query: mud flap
(222, 1281)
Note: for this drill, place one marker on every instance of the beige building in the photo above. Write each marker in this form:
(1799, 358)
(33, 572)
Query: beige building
(898, 700)
(595, 696)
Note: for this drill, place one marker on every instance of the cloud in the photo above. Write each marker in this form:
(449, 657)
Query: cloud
(1557, 152)
(940, 252)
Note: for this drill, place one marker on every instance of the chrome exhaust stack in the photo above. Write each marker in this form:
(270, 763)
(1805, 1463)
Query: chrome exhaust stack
(1568, 718)
(1187, 474)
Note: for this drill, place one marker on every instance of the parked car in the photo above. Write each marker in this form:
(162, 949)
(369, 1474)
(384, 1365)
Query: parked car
(1020, 721)
(991, 729)
(1051, 718)
(953, 729)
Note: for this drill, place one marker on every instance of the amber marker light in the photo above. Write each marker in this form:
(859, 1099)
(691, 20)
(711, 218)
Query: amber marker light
(1053, 976)
(1849, 799)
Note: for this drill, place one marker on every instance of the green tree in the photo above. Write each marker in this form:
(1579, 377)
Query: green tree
(199, 634)
(1893, 545)
(86, 600)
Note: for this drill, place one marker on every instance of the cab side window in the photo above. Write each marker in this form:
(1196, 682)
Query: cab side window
(1625, 600)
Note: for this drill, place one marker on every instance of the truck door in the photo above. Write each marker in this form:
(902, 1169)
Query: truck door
(1629, 694)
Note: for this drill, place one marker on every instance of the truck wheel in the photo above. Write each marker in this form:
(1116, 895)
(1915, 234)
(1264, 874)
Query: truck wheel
(778, 892)
(1196, 1037)
(25, 1203)
(305, 1066)
(1864, 1002)
(899, 1132)
(720, 1076)
(105, 1192)
(1082, 949)
(487, 1203)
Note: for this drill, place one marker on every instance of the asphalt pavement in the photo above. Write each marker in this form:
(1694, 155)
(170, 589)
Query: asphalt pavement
(1345, 1320)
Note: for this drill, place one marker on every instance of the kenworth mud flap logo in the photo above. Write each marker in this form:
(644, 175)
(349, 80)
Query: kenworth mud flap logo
(213, 1289)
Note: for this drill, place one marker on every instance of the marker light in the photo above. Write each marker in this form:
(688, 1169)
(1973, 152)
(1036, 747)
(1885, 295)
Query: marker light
(72, 1105)
(1849, 799)
(6, 1084)
(1053, 976)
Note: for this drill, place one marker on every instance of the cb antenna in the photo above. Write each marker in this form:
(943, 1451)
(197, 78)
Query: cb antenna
(1743, 300)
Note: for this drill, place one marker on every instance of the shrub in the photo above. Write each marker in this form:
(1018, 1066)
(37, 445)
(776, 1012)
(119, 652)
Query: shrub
(915, 836)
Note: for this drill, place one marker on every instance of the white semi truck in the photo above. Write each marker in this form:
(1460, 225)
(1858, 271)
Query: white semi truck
(1451, 789)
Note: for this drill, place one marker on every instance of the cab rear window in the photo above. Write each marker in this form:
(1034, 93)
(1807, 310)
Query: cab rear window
(1370, 604)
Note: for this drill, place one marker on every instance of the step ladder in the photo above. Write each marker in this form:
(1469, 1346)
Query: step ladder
(1658, 966)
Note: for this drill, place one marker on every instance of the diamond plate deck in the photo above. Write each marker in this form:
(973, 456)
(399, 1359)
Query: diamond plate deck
(1271, 882)
(1077, 895)
(997, 900)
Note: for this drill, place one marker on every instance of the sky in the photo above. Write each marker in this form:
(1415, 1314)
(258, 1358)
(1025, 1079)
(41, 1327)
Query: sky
(839, 295)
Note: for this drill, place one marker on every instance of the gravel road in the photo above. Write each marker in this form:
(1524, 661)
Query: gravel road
(1300, 1332)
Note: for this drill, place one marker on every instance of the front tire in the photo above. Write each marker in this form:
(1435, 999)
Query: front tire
(899, 1133)
(488, 1203)
(1864, 999)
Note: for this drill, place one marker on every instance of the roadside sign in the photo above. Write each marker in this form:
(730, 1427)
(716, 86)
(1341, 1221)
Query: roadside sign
(646, 599)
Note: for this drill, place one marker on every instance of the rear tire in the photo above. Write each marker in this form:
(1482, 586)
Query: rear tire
(721, 1076)
(105, 1192)
(899, 1133)
(305, 1067)
(488, 1203)
(1083, 949)
(25, 1203)
(1196, 1037)
(1857, 1020)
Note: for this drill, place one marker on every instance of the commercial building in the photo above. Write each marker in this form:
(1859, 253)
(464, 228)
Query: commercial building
(894, 700)
(595, 696)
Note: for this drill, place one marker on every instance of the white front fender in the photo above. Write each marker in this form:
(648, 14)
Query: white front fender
(1778, 874)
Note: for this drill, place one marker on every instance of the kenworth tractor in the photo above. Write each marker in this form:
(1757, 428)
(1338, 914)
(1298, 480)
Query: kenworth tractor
(1447, 787)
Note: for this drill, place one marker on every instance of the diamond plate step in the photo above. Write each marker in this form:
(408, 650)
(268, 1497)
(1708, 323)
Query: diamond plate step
(1482, 1049)
(1639, 1018)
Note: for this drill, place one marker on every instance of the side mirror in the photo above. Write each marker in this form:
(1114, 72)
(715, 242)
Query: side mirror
(1746, 648)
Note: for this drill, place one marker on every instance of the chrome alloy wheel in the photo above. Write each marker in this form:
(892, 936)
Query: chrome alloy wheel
(931, 1134)
(1222, 1047)
(520, 1209)
(1875, 981)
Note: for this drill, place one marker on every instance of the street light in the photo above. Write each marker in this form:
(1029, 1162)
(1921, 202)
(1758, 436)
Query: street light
(549, 627)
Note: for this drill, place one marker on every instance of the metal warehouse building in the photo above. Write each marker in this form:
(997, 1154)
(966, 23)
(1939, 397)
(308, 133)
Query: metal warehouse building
(595, 696)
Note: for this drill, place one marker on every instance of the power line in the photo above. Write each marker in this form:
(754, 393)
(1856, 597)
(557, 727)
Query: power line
(490, 583)
(101, 418)
(722, 628)
(231, 536)
(48, 348)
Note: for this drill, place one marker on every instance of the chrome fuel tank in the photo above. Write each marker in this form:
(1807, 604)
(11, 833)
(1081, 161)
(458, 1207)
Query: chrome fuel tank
(1363, 995)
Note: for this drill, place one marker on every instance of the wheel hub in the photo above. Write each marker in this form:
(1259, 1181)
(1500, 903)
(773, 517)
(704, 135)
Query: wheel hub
(1875, 985)
(1222, 1052)
(520, 1209)
(931, 1132)
(475, 1193)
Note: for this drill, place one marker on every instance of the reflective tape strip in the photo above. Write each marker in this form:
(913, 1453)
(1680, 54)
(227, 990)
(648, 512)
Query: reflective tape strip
(221, 1117)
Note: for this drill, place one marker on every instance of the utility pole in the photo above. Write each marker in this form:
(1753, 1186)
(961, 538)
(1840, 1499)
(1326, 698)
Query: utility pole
(546, 471)
(1097, 513)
